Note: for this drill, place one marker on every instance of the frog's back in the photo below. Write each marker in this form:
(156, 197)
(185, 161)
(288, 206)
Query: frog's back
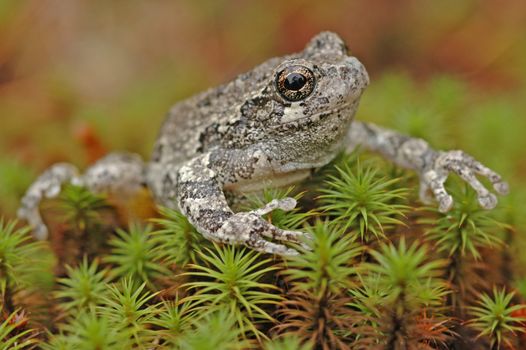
(191, 126)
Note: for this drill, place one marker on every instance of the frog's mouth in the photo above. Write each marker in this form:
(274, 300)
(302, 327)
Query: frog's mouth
(296, 115)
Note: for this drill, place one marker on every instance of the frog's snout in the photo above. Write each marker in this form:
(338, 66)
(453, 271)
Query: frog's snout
(354, 74)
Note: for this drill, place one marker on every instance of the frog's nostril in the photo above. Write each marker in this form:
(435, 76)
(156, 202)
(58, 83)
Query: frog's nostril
(346, 72)
(354, 73)
(350, 75)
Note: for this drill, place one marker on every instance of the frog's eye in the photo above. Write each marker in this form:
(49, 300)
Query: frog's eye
(295, 83)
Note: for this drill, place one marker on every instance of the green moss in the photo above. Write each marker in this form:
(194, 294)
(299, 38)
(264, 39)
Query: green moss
(379, 272)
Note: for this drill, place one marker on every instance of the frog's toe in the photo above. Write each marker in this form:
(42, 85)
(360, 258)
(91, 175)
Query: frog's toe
(487, 201)
(502, 187)
(298, 237)
(293, 236)
(496, 180)
(424, 194)
(286, 204)
(39, 229)
(265, 246)
(445, 203)
(40, 232)
(435, 182)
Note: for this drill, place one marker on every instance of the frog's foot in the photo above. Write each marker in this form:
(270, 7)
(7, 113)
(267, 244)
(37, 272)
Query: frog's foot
(249, 228)
(466, 167)
(47, 185)
(285, 204)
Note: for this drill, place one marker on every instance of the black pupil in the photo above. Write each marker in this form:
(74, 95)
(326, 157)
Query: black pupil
(294, 81)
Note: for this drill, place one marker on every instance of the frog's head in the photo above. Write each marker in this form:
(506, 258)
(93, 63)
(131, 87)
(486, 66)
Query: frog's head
(321, 81)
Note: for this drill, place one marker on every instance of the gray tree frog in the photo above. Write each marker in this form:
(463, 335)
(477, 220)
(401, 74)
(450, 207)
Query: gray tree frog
(268, 127)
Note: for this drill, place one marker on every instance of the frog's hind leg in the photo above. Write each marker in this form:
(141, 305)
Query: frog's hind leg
(115, 173)
(47, 185)
(122, 173)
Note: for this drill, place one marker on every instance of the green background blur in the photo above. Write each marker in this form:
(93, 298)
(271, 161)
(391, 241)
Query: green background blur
(80, 78)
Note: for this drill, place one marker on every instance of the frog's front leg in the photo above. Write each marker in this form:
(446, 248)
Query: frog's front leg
(433, 166)
(198, 186)
(117, 172)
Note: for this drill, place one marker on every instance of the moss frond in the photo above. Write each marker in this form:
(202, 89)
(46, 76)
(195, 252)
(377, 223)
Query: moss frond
(93, 331)
(128, 308)
(174, 320)
(287, 343)
(20, 259)
(216, 330)
(497, 318)
(232, 277)
(13, 335)
(325, 263)
(402, 298)
(466, 228)
(407, 272)
(176, 236)
(83, 288)
(315, 306)
(81, 207)
(135, 253)
(363, 201)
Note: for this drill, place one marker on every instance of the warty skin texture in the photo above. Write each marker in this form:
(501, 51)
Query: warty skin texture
(261, 130)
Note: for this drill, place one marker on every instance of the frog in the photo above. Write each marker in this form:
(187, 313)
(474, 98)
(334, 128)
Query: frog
(272, 126)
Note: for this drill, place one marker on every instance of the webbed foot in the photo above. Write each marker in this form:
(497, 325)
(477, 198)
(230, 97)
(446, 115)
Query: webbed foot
(250, 229)
(467, 168)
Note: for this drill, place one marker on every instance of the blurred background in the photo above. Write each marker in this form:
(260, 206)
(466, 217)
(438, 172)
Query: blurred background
(81, 78)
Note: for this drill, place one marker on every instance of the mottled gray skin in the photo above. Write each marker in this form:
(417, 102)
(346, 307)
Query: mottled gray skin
(245, 136)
